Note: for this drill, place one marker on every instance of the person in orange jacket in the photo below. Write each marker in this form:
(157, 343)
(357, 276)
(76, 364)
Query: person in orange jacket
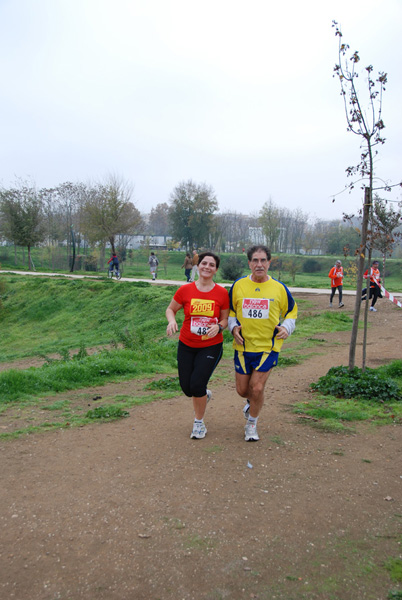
(375, 281)
(336, 276)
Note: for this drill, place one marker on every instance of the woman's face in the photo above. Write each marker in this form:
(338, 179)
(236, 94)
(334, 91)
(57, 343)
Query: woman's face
(207, 267)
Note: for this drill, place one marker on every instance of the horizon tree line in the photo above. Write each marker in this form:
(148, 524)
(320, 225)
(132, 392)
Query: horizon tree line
(84, 216)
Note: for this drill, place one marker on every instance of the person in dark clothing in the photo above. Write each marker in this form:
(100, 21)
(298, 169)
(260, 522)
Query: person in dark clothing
(113, 263)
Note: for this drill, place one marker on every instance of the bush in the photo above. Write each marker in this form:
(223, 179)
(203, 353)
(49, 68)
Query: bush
(232, 268)
(311, 265)
(91, 263)
(364, 385)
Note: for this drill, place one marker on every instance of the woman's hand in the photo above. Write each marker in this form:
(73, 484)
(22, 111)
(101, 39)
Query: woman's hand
(214, 330)
(172, 328)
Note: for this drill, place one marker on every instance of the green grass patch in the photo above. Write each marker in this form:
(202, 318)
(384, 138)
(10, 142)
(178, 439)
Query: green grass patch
(58, 405)
(43, 316)
(168, 383)
(107, 413)
(377, 402)
(394, 567)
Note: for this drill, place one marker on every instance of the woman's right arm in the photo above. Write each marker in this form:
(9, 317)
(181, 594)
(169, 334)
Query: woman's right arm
(171, 317)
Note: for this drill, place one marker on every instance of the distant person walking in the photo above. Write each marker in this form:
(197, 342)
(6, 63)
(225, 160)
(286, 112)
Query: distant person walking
(153, 265)
(336, 277)
(187, 266)
(373, 274)
(194, 270)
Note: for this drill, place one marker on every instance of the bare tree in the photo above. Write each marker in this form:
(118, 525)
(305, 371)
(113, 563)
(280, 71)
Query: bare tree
(270, 221)
(158, 222)
(367, 123)
(108, 211)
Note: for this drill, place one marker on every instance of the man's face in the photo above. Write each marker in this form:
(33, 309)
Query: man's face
(259, 265)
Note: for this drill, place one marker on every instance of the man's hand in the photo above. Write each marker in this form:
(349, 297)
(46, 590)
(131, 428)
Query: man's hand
(282, 333)
(237, 335)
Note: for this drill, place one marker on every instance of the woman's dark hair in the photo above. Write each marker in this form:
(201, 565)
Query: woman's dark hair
(214, 256)
(258, 248)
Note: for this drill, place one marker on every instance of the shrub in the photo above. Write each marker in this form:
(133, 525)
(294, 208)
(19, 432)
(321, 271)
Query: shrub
(91, 263)
(311, 265)
(364, 385)
(232, 268)
(107, 412)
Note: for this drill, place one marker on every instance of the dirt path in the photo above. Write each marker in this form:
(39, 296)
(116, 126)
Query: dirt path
(135, 510)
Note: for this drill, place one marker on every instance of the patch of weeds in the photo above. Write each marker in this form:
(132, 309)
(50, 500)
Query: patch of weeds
(331, 426)
(64, 354)
(107, 412)
(58, 405)
(394, 369)
(370, 384)
(82, 352)
(338, 453)
(168, 383)
(394, 567)
(366, 460)
(394, 595)
(330, 410)
(197, 542)
(214, 449)
(287, 361)
(276, 439)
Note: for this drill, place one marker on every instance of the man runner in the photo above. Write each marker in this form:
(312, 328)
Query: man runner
(262, 315)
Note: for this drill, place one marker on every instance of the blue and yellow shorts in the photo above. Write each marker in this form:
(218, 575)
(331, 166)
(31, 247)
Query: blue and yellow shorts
(246, 362)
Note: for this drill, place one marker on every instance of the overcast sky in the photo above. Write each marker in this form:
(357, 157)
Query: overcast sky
(239, 95)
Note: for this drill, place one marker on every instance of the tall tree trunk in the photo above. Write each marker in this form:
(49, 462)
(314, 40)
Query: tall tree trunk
(360, 271)
(366, 308)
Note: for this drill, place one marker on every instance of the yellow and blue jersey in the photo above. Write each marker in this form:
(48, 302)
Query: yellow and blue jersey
(259, 308)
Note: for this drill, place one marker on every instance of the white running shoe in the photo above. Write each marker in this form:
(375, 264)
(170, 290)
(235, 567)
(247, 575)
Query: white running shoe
(199, 431)
(250, 432)
(373, 309)
(209, 395)
(246, 409)
(341, 305)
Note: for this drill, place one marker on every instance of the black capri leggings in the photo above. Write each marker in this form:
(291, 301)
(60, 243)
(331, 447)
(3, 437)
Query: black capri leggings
(196, 366)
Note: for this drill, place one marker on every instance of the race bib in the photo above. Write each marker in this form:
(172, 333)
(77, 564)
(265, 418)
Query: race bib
(255, 308)
(202, 307)
(200, 325)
